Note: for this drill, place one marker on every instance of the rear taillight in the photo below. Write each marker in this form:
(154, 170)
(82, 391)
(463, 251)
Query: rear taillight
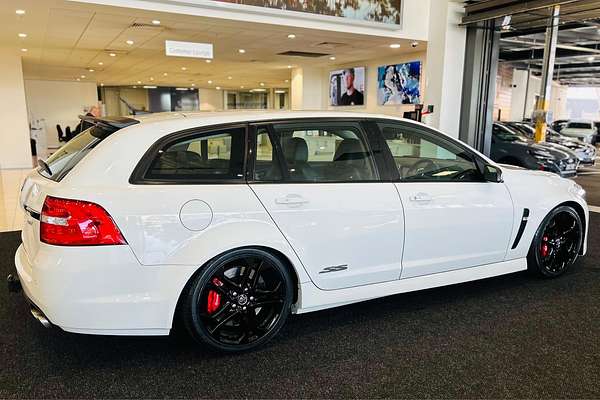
(67, 222)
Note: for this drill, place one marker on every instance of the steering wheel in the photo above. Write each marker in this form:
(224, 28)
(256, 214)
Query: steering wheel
(420, 167)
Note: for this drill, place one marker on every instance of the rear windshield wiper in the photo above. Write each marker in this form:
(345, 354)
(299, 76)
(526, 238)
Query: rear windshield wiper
(45, 166)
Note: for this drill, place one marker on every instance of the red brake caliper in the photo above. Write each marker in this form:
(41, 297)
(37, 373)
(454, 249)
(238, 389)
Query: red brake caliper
(214, 298)
(544, 248)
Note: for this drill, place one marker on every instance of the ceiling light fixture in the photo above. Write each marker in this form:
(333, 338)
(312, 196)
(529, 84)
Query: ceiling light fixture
(82, 76)
(155, 22)
(395, 45)
(210, 82)
(262, 84)
(149, 87)
(129, 42)
(193, 84)
(287, 80)
(151, 78)
(291, 36)
(241, 87)
(165, 74)
(100, 63)
(20, 12)
(78, 79)
(112, 54)
(91, 70)
(289, 66)
(332, 58)
(184, 68)
(218, 88)
(139, 82)
(230, 77)
(24, 50)
(241, 51)
(102, 84)
(208, 61)
(22, 35)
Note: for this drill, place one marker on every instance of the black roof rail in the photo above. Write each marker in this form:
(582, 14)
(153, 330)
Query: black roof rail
(110, 123)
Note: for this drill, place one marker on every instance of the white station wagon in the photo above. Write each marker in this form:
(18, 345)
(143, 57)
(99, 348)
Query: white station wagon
(229, 222)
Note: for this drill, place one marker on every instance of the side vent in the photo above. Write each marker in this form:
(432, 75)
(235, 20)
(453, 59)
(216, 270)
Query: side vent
(521, 228)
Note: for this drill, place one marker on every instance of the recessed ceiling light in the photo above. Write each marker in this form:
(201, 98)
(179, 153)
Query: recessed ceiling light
(78, 79)
(332, 58)
(100, 63)
(151, 78)
(289, 66)
(395, 45)
(184, 68)
(91, 70)
(193, 84)
(20, 12)
(230, 77)
(262, 84)
(241, 87)
(24, 50)
(102, 84)
(135, 87)
(82, 76)
(165, 74)
(129, 42)
(208, 61)
(218, 88)
(22, 35)
(112, 54)
(242, 51)
(291, 36)
(139, 82)
(287, 80)
(210, 82)
(155, 22)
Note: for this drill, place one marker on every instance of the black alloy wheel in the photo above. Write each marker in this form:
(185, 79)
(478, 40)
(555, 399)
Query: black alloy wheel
(557, 243)
(239, 301)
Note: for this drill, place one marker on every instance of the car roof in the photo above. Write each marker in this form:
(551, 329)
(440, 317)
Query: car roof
(212, 117)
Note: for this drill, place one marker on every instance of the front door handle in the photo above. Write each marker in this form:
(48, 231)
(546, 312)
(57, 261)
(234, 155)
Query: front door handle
(291, 199)
(421, 198)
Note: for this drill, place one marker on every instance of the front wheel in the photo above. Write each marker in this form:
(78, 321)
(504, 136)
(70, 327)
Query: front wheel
(557, 242)
(239, 301)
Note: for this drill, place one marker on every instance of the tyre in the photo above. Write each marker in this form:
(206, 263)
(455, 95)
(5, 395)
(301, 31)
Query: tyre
(556, 244)
(238, 301)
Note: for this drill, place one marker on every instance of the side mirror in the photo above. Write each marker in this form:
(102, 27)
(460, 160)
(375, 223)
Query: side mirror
(492, 174)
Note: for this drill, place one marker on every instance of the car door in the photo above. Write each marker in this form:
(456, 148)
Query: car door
(320, 182)
(453, 218)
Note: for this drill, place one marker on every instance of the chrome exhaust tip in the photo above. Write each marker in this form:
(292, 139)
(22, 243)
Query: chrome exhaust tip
(37, 314)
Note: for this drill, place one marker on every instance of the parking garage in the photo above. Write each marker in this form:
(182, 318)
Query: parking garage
(517, 82)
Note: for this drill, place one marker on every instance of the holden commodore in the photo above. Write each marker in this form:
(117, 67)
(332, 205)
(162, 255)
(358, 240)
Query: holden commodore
(229, 222)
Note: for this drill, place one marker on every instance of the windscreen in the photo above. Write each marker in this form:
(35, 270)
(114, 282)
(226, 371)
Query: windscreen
(65, 158)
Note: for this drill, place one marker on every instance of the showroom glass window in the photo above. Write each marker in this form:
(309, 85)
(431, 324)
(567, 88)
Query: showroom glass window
(324, 152)
(216, 155)
(267, 167)
(422, 155)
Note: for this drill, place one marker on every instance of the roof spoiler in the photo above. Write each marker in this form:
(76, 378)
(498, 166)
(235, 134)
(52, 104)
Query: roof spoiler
(110, 123)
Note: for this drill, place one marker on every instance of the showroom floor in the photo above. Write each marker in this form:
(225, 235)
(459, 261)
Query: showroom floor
(512, 336)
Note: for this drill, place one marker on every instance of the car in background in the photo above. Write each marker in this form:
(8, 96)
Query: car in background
(559, 124)
(582, 130)
(509, 146)
(585, 152)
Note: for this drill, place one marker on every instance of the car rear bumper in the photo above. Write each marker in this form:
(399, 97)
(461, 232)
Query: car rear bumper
(101, 290)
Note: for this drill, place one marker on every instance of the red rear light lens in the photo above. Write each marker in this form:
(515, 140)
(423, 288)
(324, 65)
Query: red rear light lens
(67, 222)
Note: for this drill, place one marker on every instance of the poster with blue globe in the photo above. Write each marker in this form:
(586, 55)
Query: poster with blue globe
(399, 84)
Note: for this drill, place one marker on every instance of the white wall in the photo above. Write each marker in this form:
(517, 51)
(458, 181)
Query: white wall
(15, 151)
(558, 97)
(371, 105)
(58, 102)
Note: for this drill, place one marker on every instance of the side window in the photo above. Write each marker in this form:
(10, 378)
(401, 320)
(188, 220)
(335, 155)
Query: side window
(327, 152)
(266, 167)
(422, 156)
(217, 155)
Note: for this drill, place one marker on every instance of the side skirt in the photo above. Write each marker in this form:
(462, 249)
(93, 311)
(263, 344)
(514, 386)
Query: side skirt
(312, 298)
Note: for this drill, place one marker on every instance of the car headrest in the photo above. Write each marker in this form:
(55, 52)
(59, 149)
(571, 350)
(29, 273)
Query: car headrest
(296, 150)
(349, 150)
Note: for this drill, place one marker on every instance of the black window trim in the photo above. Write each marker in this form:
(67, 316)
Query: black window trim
(138, 175)
(426, 132)
(368, 133)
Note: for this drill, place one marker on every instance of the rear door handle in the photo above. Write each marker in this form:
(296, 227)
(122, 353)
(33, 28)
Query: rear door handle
(291, 199)
(421, 198)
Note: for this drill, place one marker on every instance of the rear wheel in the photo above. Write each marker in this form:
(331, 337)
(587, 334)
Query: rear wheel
(557, 242)
(239, 301)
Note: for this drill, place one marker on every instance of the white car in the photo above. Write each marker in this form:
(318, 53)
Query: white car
(228, 223)
(582, 130)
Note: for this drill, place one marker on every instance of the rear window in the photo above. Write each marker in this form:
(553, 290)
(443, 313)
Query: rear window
(580, 125)
(67, 157)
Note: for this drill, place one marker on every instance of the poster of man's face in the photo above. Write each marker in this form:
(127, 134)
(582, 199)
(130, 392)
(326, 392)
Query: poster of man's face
(399, 84)
(347, 87)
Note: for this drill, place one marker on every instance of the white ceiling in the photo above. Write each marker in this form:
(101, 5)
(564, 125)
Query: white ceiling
(66, 39)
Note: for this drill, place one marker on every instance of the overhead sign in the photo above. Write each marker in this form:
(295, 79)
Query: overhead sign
(188, 49)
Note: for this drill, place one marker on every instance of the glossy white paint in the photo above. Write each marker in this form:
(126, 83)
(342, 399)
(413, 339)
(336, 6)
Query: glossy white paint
(464, 232)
